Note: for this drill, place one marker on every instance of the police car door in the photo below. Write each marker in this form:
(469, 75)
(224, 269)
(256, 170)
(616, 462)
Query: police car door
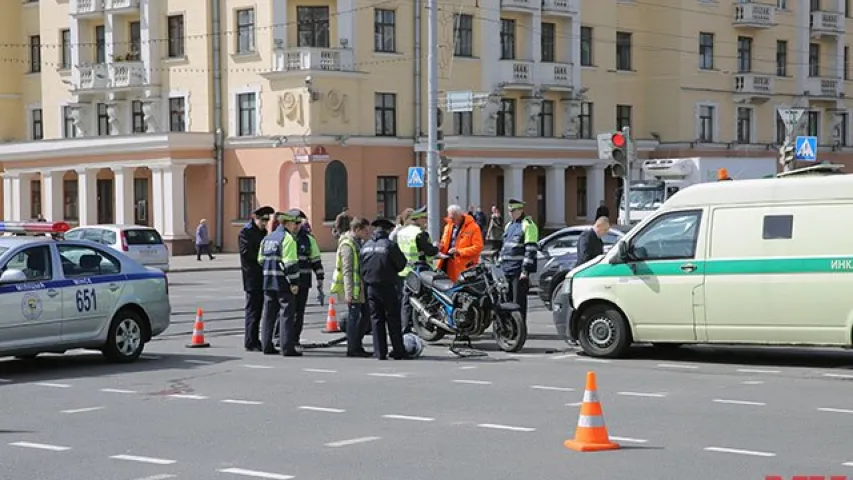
(31, 309)
(92, 288)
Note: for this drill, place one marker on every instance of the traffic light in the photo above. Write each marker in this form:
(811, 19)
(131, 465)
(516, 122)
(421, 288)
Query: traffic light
(619, 168)
(786, 154)
(443, 171)
(439, 118)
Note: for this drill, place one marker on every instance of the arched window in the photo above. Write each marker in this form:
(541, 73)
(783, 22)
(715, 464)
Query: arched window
(336, 189)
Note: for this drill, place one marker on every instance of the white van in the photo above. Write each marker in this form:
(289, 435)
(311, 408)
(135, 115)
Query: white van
(765, 261)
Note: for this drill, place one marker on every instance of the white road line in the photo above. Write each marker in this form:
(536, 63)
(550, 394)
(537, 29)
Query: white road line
(199, 362)
(678, 365)
(641, 394)
(561, 357)
(739, 452)
(388, 375)
(242, 402)
(629, 439)
(318, 370)
(354, 441)
(134, 458)
(847, 464)
(576, 404)
(258, 366)
(188, 397)
(163, 476)
(555, 389)
(408, 417)
(757, 370)
(40, 446)
(739, 402)
(752, 382)
(117, 390)
(322, 409)
(473, 382)
(834, 410)
(467, 367)
(5, 380)
(496, 426)
(53, 385)
(255, 474)
(592, 360)
(83, 410)
(837, 375)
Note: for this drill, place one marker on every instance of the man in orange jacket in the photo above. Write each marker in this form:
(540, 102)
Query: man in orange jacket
(461, 241)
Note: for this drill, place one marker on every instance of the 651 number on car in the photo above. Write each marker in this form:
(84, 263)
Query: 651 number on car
(87, 301)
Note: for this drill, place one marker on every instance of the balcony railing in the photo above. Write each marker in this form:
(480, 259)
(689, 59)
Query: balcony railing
(116, 75)
(516, 72)
(558, 7)
(521, 4)
(86, 7)
(827, 23)
(757, 84)
(92, 76)
(754, 15)
(824, 87)
(119, 5)
(307, 58)
(555, 74)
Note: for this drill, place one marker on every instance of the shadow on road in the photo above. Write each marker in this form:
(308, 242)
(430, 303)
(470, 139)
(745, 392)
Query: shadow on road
(756, 356)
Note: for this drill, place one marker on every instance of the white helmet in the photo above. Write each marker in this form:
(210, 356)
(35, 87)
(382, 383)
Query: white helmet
(413, 344)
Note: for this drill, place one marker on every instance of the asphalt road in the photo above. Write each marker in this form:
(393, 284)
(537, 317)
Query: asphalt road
(220, 413)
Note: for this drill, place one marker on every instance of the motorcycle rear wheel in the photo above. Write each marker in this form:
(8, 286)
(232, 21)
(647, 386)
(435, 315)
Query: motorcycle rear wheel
(428, 333)
(511, 332)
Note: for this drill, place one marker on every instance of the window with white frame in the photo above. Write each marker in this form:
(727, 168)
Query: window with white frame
(176, 36)
(36, 124)
(706, 51)
(744, 125)
(546, 119)
(177, 114)
(706, 123)
(385, 114)
(247, 114)
(35, 53)
(782, 4)
(245, 31)
(103, 119)
(585, 129)
(65, 49)
(137, 117)
(384, 30)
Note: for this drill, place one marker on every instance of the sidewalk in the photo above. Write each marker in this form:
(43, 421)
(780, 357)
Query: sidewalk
(221, 262)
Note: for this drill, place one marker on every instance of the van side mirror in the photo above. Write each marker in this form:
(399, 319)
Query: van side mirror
(621, 253)
(13, 276)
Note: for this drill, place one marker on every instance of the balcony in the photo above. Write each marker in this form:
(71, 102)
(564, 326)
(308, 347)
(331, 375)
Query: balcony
(555, 75)
(755, 87)
(516, 73)
(86, 8)
(119, 7)
(93, 76)
(754, 15)
(558, 7)
(824, 87)
(111, 76)
(826, 23)
(520, 5)
(306, 59)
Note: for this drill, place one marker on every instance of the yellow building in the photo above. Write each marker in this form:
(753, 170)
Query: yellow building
(163, 112)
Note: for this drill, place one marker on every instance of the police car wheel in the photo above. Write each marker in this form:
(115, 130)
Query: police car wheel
(125, 338)
(604, 332)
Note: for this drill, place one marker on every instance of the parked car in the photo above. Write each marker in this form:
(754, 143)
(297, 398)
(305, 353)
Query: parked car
(141, 243)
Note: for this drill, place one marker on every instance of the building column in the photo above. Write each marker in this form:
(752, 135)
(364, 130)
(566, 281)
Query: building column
(51, 188)
(8, 197)
(87, 196)
(149, 18)
(474, 182)
(279, 22)
(555, 196)
(174, 199)
(21, 188)
(346, 24)
(457, 191)
(513, 183)
(157, 201)
(123, 185)
(594, 190)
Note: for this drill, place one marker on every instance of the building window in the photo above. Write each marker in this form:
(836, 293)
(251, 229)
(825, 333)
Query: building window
(507, 39)
(312, 27)
(623, 51)
(814, 60)
(37, 124)
(706, 124)
(385, 111)
(549, 42)
(337, 192)
(463, 44)
(580, 212)
(782, 4)
(68, 128)
(506, 118)
(814, 5)
(100, 44)
(35, 198)
(586, 46)
(706, 51)
(65, 53)
(744, 125)
(386, 197)
(384, 31)
(463, 123)
(246, 31)
(744, 54)
(103, 119)
(70, 201)
(813, 124)
(247, 199)
(137, 117)
(841, 129)
(140, 201)
(35, 53)
(177, 114)
(846, 63)
(781, 58)
(585, 120)
(247, 114)
(781, 130)
(176, 36)
(623, 116)
(546, 119)
(134, 50)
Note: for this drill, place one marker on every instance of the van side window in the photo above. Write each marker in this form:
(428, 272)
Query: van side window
(778, 227)
(671, 236)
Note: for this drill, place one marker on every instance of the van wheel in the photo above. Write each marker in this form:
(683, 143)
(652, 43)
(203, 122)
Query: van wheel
(125, 338)
(604, 332)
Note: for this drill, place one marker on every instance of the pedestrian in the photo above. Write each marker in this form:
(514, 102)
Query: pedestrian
(417, 246)
(518, 254)
(482, 221)
(202, 240)
(495, 230)
(310, 263)
(602, 210)
(280, 261)
(347, 283)
(249, 242)
(382, 262)
(590, 244)
(461, 241)
(342, 223)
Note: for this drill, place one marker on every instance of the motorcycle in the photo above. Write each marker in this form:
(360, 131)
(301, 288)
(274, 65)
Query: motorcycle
(465, 308)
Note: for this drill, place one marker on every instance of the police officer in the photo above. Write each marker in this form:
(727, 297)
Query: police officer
(518, 253)
(417, 246)
(309, 262)
(279, 259)
(382, 261)
(249, 241)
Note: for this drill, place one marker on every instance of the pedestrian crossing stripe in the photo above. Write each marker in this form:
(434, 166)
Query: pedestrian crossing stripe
(805, 151)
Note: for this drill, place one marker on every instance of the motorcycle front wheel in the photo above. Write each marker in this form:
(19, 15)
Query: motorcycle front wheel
(428, 332)
(510, 331)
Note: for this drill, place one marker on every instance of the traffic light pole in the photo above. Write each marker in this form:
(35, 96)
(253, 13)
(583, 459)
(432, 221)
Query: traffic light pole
(433, 189)
(626, 180)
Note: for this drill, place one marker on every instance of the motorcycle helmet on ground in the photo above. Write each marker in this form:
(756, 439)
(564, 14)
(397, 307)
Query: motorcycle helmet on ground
(413, 344)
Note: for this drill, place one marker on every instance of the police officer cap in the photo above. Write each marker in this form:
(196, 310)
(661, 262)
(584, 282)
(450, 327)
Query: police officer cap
(291, 215)
(264, 212)
(419, 213)
(514, 204)
(383, 223)
(302, 215)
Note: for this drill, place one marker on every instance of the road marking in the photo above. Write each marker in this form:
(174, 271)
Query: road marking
(150, 357)
(467, 367)
(739, 452)
(319, 381)
(189, 397)
(837, 375)
(322, 409)
(576, 404)
(53, 385)
(847, 464)
(834, 410)
(752, 382)
(5, 380)
(561, 357)
(757, 370)
(318, 370)
(199, 362)
(678, 365)
(255, 474)
(40, 446)
(242, 402)
(506, 427)
(258, 366)
(473, 382)
(134, 458)
(83, 410)
(555, 389)
(641, 394)
(592, 360)
(389, 375)
(408, 417)
(354, 441)
(117, 390)
(629, 439)
(740, 402)
(163, 476)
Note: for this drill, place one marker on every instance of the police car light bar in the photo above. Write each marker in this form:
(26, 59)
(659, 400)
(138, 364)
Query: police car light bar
(34, 227)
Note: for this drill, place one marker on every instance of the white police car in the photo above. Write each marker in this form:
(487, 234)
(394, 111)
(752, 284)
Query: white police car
(58, 295)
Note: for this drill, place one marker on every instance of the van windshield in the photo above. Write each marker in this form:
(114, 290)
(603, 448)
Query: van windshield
(143, 237)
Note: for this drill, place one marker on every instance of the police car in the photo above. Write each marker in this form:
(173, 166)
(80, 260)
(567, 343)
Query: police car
(58, 295)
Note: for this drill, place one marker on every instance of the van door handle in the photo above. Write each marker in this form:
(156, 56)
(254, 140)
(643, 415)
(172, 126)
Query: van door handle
(52, 293)
(113, 287)
(688, 267)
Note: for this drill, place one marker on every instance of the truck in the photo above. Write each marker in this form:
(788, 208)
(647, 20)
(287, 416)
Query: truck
(663, 178)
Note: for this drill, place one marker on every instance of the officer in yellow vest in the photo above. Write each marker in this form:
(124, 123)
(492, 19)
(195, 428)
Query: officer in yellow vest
(347, 283)
(416, 245)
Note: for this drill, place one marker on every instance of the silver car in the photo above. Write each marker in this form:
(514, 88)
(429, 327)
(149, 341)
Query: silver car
(141, 243)
(565, 242)
(59, 295)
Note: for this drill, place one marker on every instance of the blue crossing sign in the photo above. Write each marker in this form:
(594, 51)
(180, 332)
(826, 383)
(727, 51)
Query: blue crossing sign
(416, 177)
(805, 149)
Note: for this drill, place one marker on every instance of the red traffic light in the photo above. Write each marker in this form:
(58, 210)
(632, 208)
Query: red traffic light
(618, 140)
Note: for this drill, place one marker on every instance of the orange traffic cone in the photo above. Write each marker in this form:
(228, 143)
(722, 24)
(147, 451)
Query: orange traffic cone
(332, 318)
(591, 434)
(198, 332)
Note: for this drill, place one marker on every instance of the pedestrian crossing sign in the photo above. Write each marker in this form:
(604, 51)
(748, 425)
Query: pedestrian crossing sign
(416, 177)
(805, 149)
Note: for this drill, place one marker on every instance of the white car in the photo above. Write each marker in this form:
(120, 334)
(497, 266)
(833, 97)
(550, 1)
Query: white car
(141, 243)
(59, 295)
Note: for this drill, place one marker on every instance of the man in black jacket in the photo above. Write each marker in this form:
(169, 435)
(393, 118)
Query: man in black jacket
(589, 242)
(382, 261)
(249, 241)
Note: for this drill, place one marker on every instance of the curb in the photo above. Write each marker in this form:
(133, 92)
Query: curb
(203, 269)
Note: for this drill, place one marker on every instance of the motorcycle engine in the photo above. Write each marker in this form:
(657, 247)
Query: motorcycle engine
(467, 314)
